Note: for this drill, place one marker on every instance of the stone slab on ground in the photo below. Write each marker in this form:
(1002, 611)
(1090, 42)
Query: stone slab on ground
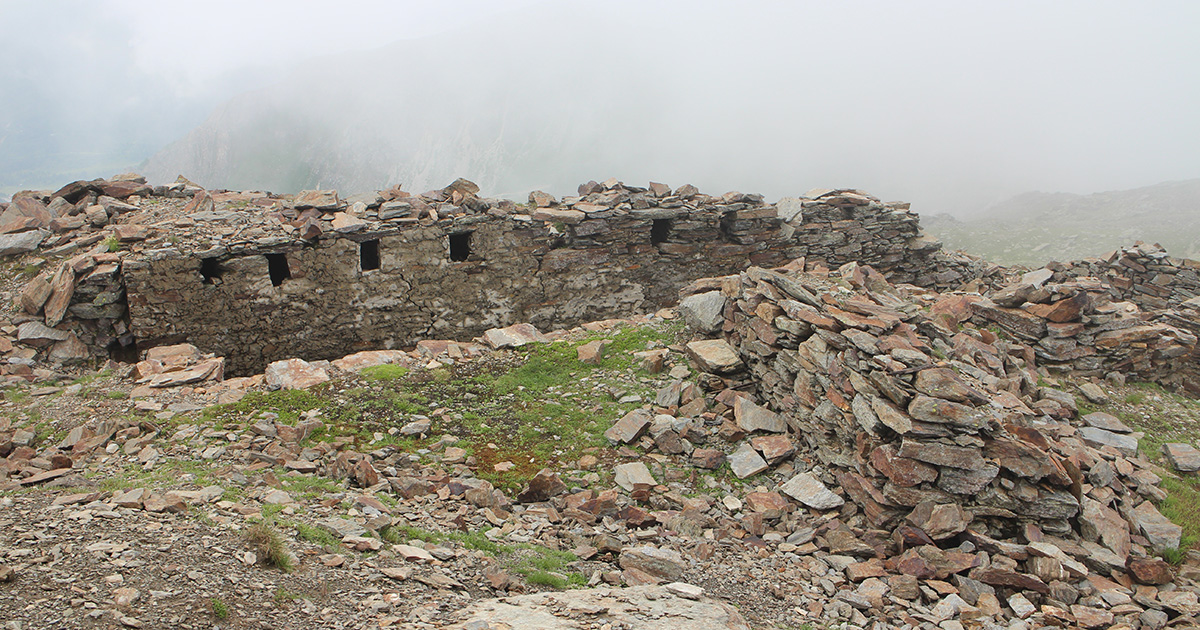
(637, 608)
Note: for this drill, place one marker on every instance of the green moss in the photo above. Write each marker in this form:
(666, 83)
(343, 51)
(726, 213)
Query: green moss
(1182, 506)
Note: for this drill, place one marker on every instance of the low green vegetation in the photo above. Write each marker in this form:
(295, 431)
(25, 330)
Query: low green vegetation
(268, 544)
(317, 536)
(219, 609)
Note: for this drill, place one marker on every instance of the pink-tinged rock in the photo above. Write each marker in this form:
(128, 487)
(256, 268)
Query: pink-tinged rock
(1021, 458)
(346, 223)
(544, 485)
(62, 287)
(130, 232)
(746, 462)
(1162, 533)
(201, 202)
(211, 369)
(592, 352)
(1089, 617)
(714, 356)
(940, 521)
(35, 294)
(1004, 577)
(928, 562)
(319, 199)
(774, 448)
(559, 215)
(370, 358)
(294, 374)
(1149, 570)
(123, 189)
(770, 504)
(708, 458)
(945, 383)
(165, 503)
(1100, 524)
(513, 336)
(751, 417)
(630, 427)
(902, 471)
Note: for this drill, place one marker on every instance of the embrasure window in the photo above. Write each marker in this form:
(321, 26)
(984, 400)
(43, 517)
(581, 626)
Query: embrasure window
(278, 266)
(460, 246)
(660, 231)
(368, 255)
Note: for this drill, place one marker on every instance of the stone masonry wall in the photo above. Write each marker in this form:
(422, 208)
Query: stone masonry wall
(611, 251)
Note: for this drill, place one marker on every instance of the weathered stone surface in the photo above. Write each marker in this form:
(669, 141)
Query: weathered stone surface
(940, 521)
(659, 562)
(635, 608)
(592, 352)
(346, 223)
(774, 448)
(513, 336)
(318, 199)
(62, 287)
(1184, 457)
(633, 473)
(938, 454)
(746, 462)
(714, 356)
(809, 490)
(39, 334)
(704, 312)
(708, 458)
(1102, 420)
(944, 383)
(751, 417)
(1098, 438)
(294, 374)
(1149, 570)
(21, 243)
(927, 561)
(544, 485)
(1101, 524)
(630, 427)
(1161, 532)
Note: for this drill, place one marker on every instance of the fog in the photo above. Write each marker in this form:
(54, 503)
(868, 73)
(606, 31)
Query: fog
(953, 106)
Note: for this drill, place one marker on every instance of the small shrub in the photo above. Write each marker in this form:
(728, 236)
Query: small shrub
(1174, 555)
(269, 545)
(219, 609)
(112, 244)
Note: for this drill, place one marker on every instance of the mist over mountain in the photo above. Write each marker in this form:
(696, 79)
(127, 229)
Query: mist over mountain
(950, 107)
(1037, 227)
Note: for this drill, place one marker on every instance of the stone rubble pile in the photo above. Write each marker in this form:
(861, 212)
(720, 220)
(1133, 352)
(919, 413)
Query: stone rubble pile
(938, 443)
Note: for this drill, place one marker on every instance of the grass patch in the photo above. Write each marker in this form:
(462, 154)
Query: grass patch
(283, 596)
(268, 544)
(116, 395)
(219, 609)
(385, 372)
(1182, 506)
(316, 536)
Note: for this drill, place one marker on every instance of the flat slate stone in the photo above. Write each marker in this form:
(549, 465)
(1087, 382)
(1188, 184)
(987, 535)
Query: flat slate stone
(1184, 457)
(809, 490)
(746, 461)
(627, 475)
(1102, 420)
(1097, 438)
(715, 356)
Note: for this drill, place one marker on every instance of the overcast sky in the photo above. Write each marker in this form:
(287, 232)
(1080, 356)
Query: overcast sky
(929, 101)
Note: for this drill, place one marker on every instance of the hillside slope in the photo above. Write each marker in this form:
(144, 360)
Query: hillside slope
(1037, 227)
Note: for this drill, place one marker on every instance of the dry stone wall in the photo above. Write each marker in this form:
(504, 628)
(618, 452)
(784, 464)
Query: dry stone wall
(382, 273)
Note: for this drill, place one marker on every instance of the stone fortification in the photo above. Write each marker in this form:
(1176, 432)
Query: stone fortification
(257, 277)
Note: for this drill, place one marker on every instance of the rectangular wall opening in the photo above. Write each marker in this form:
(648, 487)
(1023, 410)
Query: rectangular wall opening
(277, 265)
(211, 270)
(660, 231)
(726, 228)
(368, 255)
(460, 246)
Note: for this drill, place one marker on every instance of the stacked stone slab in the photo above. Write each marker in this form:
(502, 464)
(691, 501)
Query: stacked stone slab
(939, 434)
